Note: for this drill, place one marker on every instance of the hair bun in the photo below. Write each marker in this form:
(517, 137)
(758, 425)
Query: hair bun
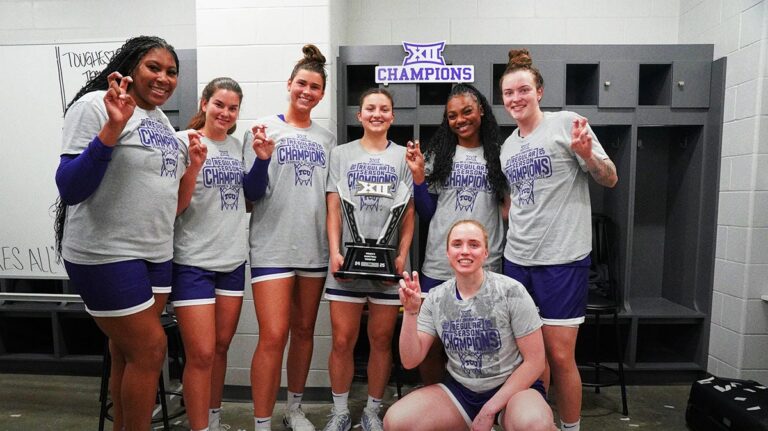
(520, 58)
(312, 54)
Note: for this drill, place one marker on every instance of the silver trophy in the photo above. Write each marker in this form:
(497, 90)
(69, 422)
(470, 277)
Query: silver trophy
(371, 258)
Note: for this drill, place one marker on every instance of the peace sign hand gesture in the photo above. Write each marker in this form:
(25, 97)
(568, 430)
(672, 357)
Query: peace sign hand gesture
(262, 145)
(415, 160)
(581, 140)
(410, 293)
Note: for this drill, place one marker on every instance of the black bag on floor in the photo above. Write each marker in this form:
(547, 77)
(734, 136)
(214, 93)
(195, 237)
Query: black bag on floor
(727, 404)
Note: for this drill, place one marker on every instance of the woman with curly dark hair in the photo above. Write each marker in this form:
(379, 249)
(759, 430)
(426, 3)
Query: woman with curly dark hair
(122, 178)
(458, 177)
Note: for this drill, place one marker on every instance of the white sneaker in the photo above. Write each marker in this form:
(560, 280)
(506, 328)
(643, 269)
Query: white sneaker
(296, 420)
(370, 420)
(338, 422)
(218, 426)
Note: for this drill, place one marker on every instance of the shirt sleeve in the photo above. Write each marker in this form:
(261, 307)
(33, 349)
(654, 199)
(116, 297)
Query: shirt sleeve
(257, 180)
(524, 317)
(426, 322)
(334, 169)
(426, 202)
(78, 176)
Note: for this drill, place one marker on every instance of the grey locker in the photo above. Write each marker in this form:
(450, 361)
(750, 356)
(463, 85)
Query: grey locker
(690, 84)
(665, 141)
(618, 84)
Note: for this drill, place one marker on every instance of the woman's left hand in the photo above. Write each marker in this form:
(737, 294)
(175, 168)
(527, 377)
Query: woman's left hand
(581, 140)
(198, 151)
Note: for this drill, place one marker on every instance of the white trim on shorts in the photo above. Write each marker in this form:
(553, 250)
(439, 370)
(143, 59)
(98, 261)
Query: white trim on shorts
(311, 274)
(190, 302)
(456, 403)
(123, 312)
(573, 322)
(361, 300)
(225, 292)
(276, 276)
(161, 289)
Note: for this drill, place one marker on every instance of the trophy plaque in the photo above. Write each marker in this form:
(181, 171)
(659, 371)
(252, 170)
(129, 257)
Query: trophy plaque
(371, 258)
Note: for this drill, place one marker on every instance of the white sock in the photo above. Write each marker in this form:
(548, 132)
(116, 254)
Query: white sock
(373, 404)
(294, 400)
(214, 417)
(341, 402)
(575, 426)
(204, 429)
(263, 423)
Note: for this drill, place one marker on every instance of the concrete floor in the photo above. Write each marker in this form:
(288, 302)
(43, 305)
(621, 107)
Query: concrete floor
(63, 403)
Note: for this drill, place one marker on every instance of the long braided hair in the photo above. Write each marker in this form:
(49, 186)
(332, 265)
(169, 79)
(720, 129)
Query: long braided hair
(125, 60)
(442, 147)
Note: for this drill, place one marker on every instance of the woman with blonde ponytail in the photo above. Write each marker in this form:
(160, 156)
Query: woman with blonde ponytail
(545, 161)
(288, 241)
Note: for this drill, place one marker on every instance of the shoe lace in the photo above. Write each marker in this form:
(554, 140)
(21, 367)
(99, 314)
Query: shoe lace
(374, 422)
(336, 419)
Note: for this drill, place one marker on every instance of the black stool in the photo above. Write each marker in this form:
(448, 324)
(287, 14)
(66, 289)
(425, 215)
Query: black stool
(597, 306)
(602, 301)
(171, 327)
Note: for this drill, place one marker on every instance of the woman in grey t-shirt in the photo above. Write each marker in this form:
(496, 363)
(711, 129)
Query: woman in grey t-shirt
(372, 172)
(210, 253)
(119, 179)
(546, 160)
(492, 336)
(288, 243)
(462, 179)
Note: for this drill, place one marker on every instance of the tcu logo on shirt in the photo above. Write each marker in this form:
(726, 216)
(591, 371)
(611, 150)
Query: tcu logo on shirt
(365, 188)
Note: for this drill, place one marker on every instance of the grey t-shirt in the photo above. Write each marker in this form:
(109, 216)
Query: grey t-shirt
(131, 213)
(550, 213)
(479, 333)
(360, 172)
(287, 227)
(466, 194)
(210, 233)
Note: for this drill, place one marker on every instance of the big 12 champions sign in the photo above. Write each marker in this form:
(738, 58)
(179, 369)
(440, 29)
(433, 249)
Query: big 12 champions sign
(424, 63)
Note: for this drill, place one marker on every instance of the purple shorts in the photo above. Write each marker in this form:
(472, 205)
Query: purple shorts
(273, 273)
(559, 291)
(470, 402)
(119, 288)
(428, 283)
(195, 286)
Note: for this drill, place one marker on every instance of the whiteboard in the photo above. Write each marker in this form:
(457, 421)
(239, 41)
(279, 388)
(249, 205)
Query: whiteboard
(37, 81)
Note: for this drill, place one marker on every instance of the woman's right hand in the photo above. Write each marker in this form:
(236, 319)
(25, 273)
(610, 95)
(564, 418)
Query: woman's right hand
(262, 145)
(410, 293)
(337, 262)
(415, 160)
(119, 105)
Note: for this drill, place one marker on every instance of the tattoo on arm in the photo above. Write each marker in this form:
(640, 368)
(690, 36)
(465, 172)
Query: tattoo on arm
(603, 171)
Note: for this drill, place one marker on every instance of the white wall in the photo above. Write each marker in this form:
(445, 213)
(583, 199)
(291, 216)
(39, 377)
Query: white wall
(257, 43)
(739, 331)
(375, 22)
(62, 21)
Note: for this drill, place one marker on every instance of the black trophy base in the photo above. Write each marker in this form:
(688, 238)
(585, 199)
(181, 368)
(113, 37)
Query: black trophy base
(369, 262)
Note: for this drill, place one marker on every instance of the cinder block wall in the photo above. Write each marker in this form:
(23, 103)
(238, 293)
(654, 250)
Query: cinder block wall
(738, 342)
(257, 43)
